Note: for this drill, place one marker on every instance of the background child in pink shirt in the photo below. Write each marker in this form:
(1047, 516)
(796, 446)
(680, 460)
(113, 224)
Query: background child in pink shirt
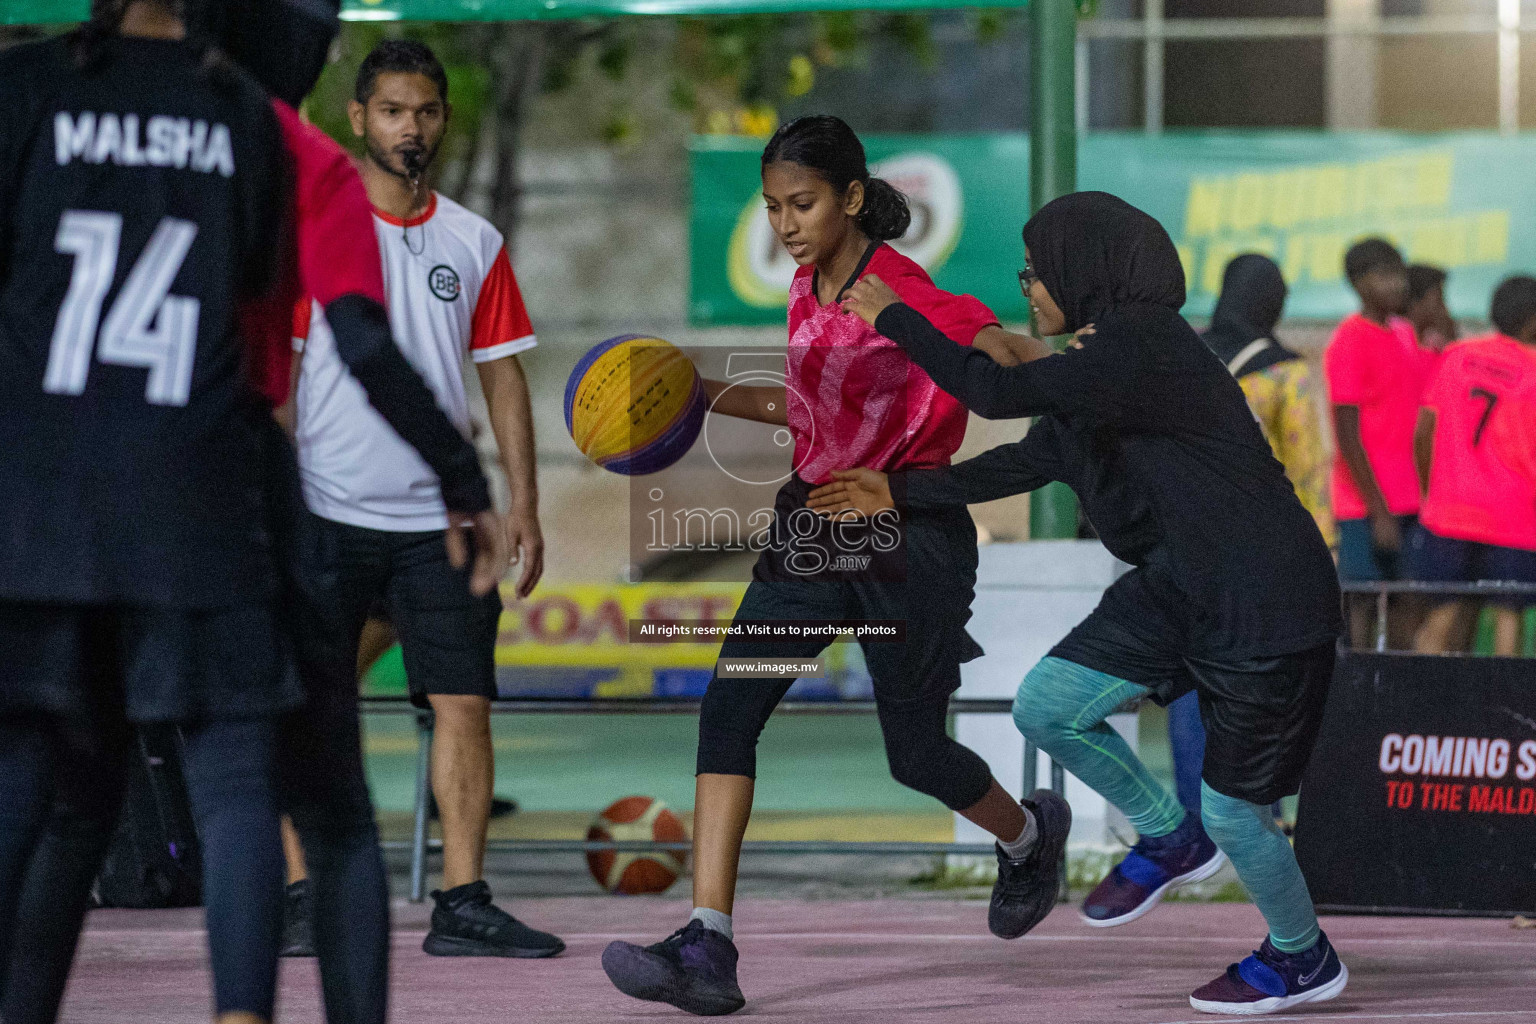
(1376, 371)
(1478, 518)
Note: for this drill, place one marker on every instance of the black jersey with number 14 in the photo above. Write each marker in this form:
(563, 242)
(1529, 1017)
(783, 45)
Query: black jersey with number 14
(140, 202)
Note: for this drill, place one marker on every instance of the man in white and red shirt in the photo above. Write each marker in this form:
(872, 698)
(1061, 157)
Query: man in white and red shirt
(379, 508)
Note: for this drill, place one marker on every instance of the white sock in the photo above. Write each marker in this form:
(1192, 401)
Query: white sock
(1020, 847)
(713, 920)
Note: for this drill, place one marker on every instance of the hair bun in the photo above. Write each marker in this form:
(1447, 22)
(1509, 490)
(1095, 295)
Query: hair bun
(885, 214)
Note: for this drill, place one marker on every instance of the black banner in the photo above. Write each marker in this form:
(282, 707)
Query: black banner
(1421, 794)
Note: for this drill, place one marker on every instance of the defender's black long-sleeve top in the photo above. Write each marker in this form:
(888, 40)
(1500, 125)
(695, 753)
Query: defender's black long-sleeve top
(1156, 439)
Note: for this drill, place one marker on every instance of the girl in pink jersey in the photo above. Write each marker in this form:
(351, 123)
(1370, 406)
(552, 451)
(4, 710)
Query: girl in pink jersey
(852, 398)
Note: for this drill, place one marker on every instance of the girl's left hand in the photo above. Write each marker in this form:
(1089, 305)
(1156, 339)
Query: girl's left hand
(868, 298)
(852, 494)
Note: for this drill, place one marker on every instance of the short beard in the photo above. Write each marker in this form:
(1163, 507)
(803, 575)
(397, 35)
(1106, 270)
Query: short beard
(385, 158)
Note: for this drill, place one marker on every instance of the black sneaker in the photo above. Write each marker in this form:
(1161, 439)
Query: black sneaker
(1026, 889)
(694, 969)
(298, 920)
(466, 923)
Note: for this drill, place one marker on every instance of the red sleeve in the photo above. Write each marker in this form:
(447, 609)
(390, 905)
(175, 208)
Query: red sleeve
(265, 325)
(1344, 366)
(303, 315)
(500, 326)
(958, 317)
(338, 251)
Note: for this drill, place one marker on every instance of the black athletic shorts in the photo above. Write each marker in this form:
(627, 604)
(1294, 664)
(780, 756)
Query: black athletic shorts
(1261, 715)
(164, 665)
(923, 575)
(447, 635)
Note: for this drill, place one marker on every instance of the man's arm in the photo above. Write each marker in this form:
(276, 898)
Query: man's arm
(1424, 446)
(506, 396)
(1385, 532)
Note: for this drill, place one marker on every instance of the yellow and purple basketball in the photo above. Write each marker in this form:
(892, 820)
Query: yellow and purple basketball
(634, 404)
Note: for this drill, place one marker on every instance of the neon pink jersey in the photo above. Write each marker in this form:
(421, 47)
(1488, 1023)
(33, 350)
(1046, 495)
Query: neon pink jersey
(1382, 371)
(855, 399)
(1476, 488)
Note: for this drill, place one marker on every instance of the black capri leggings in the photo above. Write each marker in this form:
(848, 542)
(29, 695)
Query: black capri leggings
(913, 681)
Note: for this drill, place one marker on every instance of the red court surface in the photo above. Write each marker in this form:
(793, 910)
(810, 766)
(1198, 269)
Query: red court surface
(879, 961)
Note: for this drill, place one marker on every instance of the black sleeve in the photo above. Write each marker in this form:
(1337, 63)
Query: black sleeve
(363, 340)
(1077, 380)
(1005, 470)
(13, 114)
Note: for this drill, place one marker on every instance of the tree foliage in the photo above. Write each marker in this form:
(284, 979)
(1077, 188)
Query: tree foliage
(726, 75)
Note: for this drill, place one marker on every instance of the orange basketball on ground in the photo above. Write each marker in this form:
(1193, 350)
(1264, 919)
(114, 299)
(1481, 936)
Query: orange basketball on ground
(632, 819)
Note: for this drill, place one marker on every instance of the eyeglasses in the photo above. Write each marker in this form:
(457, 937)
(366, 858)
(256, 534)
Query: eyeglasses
(1027, 277)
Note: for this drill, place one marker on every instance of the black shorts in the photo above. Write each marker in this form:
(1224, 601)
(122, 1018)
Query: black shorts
(1261, 715)
(447, 635)
(161, 665)
(923, 576)
(1438, 559)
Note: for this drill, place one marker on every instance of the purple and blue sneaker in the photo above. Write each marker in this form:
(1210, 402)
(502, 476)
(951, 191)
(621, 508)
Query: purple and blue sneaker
(1153, 868)
(694, 969)
(1269, 981)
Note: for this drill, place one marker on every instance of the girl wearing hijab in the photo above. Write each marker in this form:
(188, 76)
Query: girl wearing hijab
(1283, 392)
(852, 398)
(1232, 595)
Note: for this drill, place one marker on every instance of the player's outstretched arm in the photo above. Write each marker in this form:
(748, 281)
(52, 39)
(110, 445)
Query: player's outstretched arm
(991, 391)
(1010, 348)
(1006, 470)
(761, 403)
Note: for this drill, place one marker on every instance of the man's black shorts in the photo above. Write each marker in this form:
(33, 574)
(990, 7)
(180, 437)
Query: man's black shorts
(447, 635)
(1261, 715)
(161, 664)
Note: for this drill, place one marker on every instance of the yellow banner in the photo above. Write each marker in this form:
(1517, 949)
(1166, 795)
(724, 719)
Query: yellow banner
(587, 624)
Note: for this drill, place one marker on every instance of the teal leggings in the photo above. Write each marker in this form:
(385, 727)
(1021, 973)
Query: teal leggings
(1062, 707)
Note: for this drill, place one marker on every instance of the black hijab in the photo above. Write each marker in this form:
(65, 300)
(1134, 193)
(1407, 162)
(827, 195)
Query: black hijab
(1095, 253)
(1252, 298)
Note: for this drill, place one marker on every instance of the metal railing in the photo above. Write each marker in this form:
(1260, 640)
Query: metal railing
(1383, 591)
(420, 844)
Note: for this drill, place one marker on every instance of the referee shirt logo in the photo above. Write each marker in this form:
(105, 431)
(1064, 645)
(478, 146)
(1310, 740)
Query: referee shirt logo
(444, 282)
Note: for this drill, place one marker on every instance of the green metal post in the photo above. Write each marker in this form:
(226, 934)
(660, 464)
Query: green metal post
(1052, 173)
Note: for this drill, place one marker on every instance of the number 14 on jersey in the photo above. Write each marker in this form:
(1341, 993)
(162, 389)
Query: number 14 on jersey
(146, 326)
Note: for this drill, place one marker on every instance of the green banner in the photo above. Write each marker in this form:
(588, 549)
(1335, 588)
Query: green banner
(49, 12)
(1466, 202)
